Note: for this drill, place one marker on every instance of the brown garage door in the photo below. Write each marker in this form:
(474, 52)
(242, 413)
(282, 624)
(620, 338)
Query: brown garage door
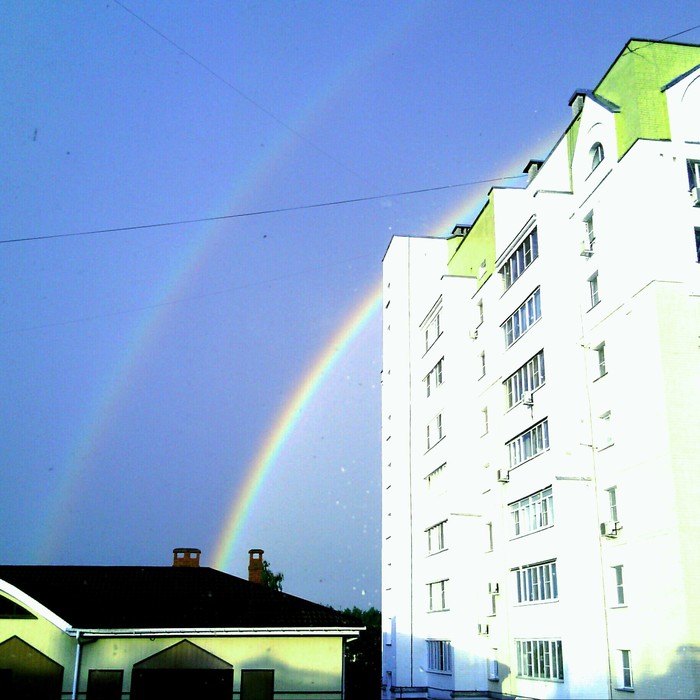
(182, 684)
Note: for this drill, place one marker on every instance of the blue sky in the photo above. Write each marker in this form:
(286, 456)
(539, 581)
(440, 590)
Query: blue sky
(142, 369)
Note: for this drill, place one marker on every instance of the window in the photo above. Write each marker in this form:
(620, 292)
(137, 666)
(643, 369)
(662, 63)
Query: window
(619, 585)
(434, 431)
(694, 173)
(432, 331)
(526, 378)
(436, 537)
(600, 356)
(492, 608)
(257, 684)
(697, 244)
(521, 259)
(593, 289)
(434, 378)
(485, 420)
(537, 582)
(612, 503)
(625, 671)
(540, 658)
(482, 359)
(489, 537)
(532, 513)
(437, 599)
(104, 685)
(605, 436)
(436, 478)
(480, 309)
(439, 656)
(590, 231)
(528, 445)
(523, 318)
(597, 154)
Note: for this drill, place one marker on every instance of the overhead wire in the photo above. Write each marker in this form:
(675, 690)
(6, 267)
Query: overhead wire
(240, 93)
(260, 212)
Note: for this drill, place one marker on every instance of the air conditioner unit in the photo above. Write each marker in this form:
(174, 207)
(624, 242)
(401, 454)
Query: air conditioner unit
(474, 334)
(483, 628)
(502, 476)
(528, 398)
(695, 196)
(586, 248)
(610, 528)
(493, 588)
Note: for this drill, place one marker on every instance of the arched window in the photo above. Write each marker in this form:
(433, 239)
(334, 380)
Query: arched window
(597, 154)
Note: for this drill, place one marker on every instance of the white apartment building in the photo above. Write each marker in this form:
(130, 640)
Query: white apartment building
(541, 415)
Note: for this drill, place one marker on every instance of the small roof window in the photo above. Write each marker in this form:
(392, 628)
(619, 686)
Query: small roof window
(597, 154)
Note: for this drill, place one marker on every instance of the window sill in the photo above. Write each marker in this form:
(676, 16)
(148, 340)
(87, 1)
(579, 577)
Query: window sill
(531, 603)
(604, 447)
(600, 376)
(618, 606)
(441, 610)
(625, 690)
(435, 444)
(593, 306)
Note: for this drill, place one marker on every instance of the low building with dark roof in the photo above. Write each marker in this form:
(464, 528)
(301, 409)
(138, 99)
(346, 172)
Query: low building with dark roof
(114, 632)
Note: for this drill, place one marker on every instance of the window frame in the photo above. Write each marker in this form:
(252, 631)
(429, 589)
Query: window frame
(433, 331)
(597, 154)
(529, 515)
(527, 377)
(540, 659)
(437, 423)
(625, 678)
(437, 596)
(439, 656)
(612, 503)
(536, 583)
(520, 259)
(435, 376)
(619, 586)
(529, 444)
(523, 318)
(594, 289)
(433, 532)
(601, 360)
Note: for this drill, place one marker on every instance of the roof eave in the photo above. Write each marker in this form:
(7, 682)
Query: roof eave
(217, 632)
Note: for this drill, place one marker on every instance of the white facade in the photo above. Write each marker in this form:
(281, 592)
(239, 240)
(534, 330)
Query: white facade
(543, 544)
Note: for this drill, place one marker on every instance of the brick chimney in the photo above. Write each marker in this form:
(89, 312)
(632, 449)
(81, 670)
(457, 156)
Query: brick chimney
(185, 556)
(255, 565)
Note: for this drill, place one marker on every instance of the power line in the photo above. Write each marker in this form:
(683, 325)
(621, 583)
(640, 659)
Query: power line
(240, 93)
(261, 212)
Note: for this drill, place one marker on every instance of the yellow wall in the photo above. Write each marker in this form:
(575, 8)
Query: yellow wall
(301, 664)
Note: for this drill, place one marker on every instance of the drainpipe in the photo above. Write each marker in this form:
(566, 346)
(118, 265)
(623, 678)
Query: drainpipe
(76, 671)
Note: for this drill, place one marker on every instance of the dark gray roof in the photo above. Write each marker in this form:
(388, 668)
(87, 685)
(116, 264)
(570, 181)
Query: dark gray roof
(156, 597)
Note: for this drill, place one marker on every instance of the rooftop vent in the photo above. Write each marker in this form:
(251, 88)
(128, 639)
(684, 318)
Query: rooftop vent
(532, 168)
(186, 556)
(255, 565)
(576, 102)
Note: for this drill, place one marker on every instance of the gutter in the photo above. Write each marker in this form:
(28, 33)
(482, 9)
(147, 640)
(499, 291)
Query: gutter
(93, 633)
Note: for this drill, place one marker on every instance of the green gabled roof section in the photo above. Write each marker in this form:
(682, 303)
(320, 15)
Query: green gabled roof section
(636, 82)
(466, 254)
